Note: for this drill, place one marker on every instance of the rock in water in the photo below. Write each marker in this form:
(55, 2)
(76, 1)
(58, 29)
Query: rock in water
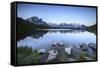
(52, 55)
(61, 44)
(84, 47)
(68, 50)
(42, 51)
(54, 44)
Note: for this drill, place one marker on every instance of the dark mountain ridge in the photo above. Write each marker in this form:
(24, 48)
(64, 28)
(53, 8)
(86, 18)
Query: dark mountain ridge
(92, 28)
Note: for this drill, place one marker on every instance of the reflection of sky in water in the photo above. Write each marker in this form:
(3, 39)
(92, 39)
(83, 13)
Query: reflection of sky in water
(52, 37)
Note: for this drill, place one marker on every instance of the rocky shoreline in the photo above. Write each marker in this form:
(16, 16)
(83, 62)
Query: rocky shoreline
(58, 52)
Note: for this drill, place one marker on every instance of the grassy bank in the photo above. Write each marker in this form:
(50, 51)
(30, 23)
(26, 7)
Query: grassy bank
(25, 55)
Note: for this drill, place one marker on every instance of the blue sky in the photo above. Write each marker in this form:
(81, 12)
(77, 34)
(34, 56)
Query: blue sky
(58, 14)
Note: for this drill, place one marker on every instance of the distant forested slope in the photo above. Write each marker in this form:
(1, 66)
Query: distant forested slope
(92, 28)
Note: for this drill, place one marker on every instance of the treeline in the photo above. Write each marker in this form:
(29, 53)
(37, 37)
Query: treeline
(92, 28)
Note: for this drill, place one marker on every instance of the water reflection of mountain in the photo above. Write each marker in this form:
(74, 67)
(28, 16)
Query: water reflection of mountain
(40, 33)
(35, 34)
(72, 31)
(66, 31)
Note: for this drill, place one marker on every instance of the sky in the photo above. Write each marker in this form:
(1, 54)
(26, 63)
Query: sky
(58, 14)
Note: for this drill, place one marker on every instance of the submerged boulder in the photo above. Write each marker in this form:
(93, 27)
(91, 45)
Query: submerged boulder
(42, 51)
(54, 44)
(68, 50)
(84, 47)
(52, 55)
(58, 44)
(61, 44)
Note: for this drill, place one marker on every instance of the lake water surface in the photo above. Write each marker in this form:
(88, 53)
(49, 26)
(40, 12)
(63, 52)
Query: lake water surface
(45, 38)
